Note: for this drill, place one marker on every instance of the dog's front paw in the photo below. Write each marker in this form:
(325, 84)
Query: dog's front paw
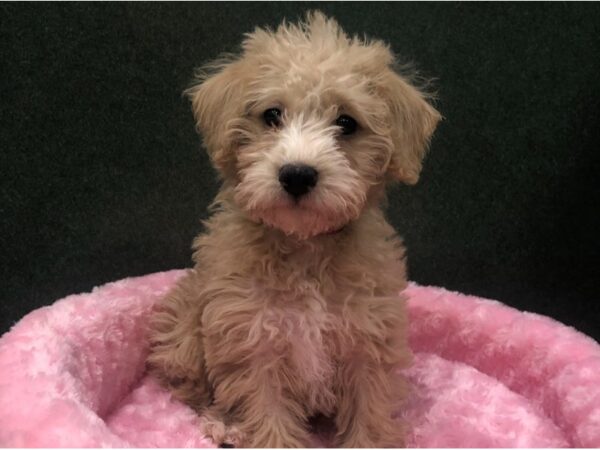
(277, 440)
(223, 435)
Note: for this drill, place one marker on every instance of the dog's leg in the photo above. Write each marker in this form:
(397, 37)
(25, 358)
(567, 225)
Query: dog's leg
(176, 356)
(269, 417)
(264, 413)
(367, 394)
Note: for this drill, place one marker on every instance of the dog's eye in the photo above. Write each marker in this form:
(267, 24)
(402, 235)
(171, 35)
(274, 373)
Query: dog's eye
(272, 117)
(347, 124)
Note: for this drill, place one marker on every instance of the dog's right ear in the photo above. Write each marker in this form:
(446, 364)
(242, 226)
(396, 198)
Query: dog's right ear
(216, 103)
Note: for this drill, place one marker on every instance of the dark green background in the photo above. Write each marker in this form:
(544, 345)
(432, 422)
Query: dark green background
(102, 176)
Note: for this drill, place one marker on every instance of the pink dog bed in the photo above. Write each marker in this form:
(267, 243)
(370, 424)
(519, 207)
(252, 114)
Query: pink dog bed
(485, 375)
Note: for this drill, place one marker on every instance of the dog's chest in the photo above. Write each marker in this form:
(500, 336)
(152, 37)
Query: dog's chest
(307, 335)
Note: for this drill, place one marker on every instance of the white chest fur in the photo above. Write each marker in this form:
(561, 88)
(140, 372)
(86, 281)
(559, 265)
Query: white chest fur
(303, 333)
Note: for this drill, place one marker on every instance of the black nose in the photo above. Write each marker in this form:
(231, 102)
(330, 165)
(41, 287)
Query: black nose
(297, 179)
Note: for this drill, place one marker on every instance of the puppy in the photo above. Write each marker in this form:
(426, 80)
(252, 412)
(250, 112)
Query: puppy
(293, 306)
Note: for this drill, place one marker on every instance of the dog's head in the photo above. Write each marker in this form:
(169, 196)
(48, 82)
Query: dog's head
(307, 124)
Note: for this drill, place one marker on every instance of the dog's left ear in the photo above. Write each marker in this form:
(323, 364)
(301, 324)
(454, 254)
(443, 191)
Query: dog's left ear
(413, 123)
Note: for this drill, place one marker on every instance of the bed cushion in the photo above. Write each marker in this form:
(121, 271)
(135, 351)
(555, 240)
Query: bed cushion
(485, 375)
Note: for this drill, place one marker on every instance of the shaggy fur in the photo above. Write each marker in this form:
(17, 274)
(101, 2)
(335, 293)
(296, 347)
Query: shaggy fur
(292, 309)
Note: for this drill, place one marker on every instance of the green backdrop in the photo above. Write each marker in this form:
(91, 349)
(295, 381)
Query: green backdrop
(102, 176)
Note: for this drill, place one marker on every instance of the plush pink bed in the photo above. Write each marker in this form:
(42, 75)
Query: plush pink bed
(485, 375)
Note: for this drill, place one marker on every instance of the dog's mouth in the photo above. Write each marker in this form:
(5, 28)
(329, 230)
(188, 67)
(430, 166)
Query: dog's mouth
(300, 220)
(338, 231)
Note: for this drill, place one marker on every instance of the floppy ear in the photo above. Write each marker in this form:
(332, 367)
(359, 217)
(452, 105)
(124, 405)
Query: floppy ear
(413, 122)
(216, 103)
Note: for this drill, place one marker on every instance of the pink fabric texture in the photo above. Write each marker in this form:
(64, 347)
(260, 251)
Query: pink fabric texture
(484, 375)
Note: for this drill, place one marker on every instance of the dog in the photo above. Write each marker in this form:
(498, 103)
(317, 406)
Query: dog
(293, 307)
